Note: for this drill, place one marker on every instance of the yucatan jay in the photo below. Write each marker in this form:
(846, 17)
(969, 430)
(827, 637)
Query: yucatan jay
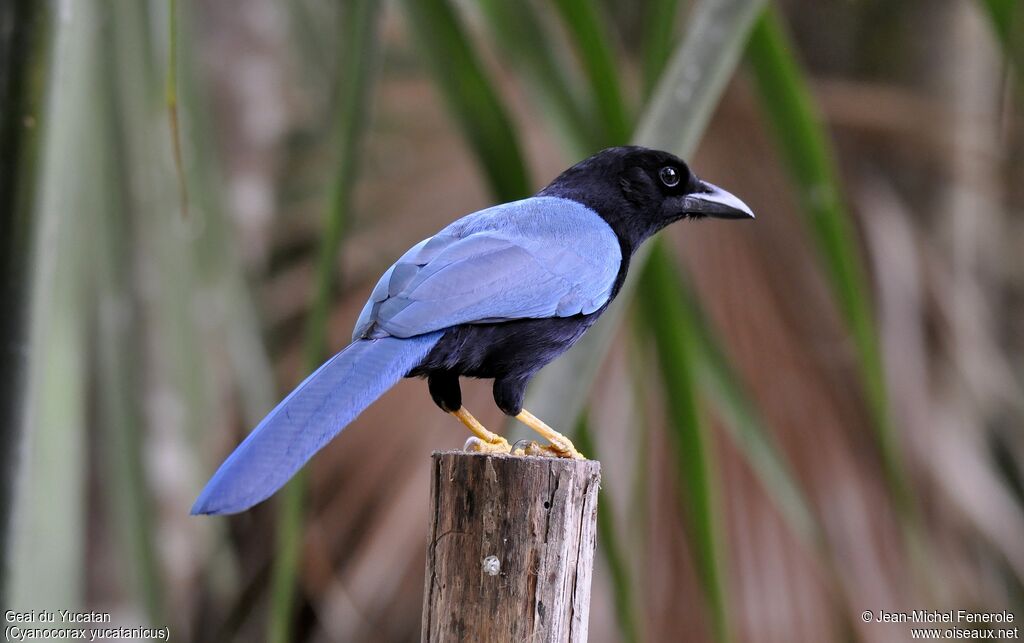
(496, 294)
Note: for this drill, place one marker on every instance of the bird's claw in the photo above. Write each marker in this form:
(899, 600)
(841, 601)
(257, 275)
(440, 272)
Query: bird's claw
(552, 450)
(528, 447)
(476, 445)
(564, 450)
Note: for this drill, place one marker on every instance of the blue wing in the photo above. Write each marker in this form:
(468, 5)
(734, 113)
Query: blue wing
(539, 257)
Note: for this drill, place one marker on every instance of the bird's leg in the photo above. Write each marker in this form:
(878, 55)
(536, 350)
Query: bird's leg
(485, 441)
(445, 391)
(560, 445)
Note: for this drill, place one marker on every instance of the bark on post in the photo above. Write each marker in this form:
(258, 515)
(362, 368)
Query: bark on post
(511, 548)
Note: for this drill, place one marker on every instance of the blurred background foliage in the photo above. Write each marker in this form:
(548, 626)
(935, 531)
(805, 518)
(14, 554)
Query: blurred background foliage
(799, 419)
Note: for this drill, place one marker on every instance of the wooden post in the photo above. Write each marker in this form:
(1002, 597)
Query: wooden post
(511, 548)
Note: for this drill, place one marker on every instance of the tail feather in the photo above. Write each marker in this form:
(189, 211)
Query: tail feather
(312, 414)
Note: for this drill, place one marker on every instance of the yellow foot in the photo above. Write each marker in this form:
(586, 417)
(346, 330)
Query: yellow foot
(560, 447)
(484, 441)
(529, 447)
(476, 445)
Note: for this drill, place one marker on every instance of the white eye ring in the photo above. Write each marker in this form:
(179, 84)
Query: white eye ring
(669, 176)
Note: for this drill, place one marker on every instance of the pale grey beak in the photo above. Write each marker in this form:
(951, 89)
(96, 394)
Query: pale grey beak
(713, 201)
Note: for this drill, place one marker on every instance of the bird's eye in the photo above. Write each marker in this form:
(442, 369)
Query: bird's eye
(669, 176)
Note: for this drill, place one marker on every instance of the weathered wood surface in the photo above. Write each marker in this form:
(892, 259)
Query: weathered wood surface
(511, 548)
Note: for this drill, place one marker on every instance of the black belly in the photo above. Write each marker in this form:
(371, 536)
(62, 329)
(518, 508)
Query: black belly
(509, 352)
(506, 350)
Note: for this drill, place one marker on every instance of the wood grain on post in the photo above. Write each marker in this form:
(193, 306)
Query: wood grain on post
(511, 548)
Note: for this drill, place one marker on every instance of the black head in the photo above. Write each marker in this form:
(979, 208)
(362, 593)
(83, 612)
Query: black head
(639, 191)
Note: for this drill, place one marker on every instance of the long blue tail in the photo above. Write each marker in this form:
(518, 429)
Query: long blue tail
(312, 414)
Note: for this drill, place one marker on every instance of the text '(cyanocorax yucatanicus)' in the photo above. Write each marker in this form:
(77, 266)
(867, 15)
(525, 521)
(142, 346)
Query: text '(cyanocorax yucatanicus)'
(496, 294)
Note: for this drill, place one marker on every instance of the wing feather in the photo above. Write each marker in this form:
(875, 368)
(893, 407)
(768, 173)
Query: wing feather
(539, 257)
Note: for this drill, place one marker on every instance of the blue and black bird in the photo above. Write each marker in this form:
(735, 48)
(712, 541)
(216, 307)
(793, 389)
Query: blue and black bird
(497, 294)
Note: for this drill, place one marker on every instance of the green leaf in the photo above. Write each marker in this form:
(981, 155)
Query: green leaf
(235, 325)
(357, 54)
(659, 29)
(804, 146)
(663, 314)
(525, 43)
(1007, 17)
(26, 36)
(217, 258)
(133, 216)
(472, 99)
(583, 22)
(723, 387)
(171, 95)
